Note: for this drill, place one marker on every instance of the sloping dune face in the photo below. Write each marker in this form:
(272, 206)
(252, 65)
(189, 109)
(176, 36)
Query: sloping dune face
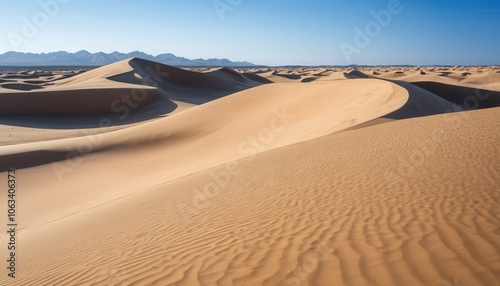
(285, 177)
(241, 125)
(338, 210)
(193, 87)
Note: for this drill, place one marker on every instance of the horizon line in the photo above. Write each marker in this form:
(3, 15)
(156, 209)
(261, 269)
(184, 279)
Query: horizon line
(224, 58)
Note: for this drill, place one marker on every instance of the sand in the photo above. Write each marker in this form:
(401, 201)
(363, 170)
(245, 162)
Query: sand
(305, 176)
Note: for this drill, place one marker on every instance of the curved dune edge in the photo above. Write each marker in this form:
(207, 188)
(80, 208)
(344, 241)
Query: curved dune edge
(324, 214)
(469, 90)
(474, 79)
(241, 125)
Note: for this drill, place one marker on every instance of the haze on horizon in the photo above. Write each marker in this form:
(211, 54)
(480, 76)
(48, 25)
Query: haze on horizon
(319, 32)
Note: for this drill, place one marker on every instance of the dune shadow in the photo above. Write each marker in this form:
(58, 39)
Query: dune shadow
(420, 103)
(256, 78)
(432, 98)
(356, 74)
(190, 86)
(159, 108)
(21, 76)
(445, 73)
(310, 79)
(21, 86)
(31, 159)
(465, 97)
(36, 82)
(288, 76)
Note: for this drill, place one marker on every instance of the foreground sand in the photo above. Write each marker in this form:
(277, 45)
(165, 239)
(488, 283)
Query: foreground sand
(260, 179)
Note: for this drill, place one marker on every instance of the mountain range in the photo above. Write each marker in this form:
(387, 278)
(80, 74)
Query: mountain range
(85, 58)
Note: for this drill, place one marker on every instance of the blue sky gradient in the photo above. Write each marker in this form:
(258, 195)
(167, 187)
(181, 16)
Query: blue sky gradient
(268, 32)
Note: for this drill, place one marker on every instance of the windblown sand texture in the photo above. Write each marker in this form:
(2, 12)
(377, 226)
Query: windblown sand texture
(139, 173)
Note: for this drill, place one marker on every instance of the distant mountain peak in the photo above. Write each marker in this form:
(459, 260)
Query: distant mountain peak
(85, 58)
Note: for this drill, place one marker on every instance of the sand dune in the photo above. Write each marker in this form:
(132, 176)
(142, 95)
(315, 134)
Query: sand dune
(102, 91)
(276, 115)
(324, 221)
(85, 94)
(125, 93)
(469, 91)
(261, 177)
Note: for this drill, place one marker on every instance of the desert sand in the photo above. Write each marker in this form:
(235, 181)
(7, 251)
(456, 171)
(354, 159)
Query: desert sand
(139, 173)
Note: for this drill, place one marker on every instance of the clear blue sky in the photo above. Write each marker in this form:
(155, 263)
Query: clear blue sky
(269, 32)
